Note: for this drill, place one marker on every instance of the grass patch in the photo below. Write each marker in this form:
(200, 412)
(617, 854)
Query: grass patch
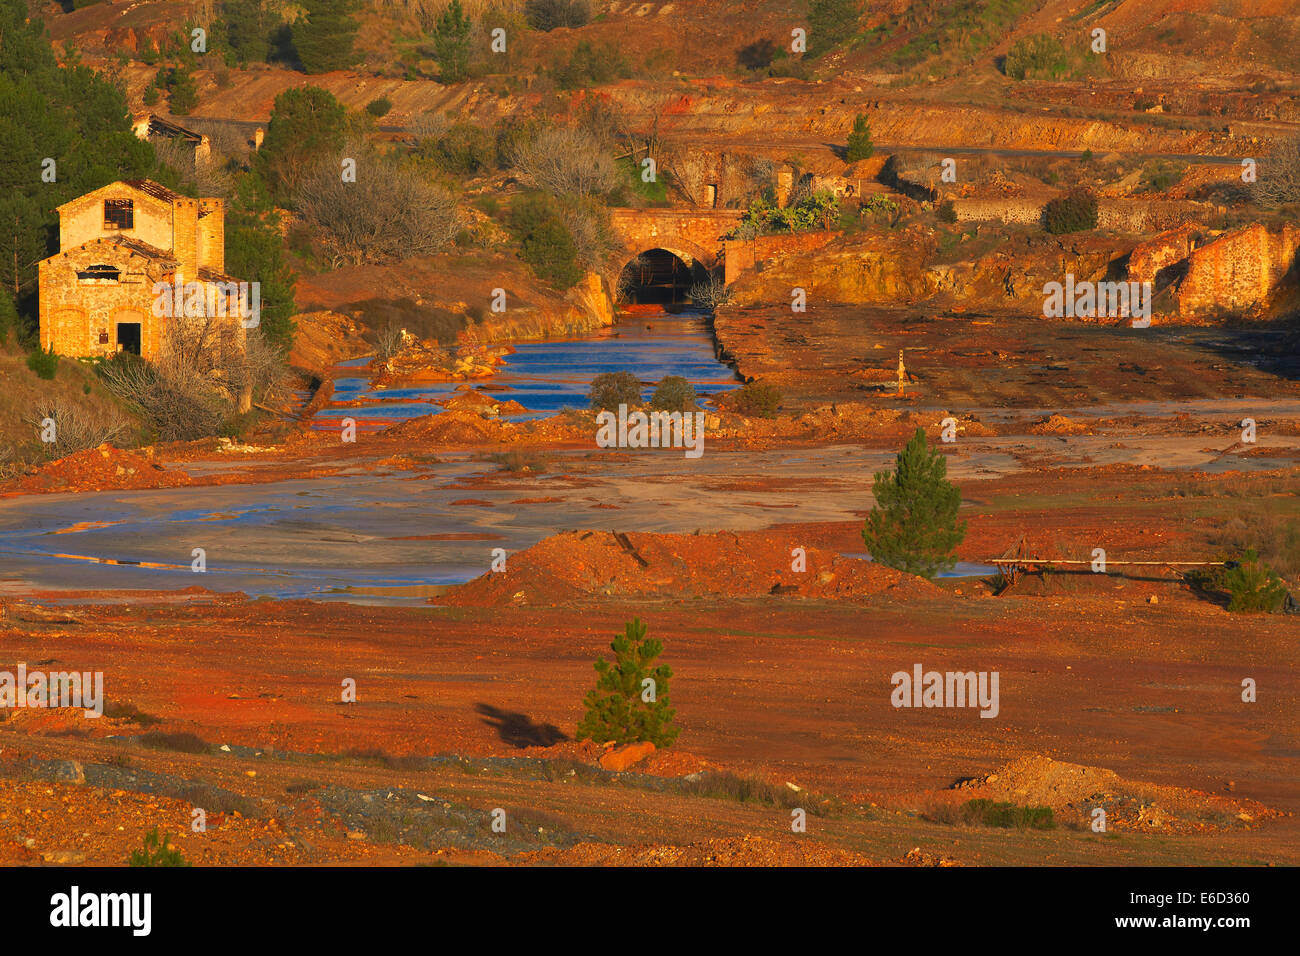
(521, 462)
(989, 813)
(722, 785)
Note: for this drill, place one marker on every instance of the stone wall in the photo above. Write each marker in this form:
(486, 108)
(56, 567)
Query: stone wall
(1238, 271)
(82, 219)
(81, 316)
(212, 234)
(1161, 253)
(743, 255)
(693, 235)
(1114, 215)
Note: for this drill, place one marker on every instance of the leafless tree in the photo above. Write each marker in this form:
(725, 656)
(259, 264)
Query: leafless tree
(565, 161)
(389, 213)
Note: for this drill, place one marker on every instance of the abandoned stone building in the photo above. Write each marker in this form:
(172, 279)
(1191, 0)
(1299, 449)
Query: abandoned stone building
(189, 149)
(100, 293)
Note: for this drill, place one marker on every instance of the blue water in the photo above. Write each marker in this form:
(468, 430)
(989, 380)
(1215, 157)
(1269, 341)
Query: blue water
(962, 569)
(548, 377)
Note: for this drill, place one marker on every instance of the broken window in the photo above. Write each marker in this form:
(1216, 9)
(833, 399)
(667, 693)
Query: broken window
(119, 214)
(100, 271)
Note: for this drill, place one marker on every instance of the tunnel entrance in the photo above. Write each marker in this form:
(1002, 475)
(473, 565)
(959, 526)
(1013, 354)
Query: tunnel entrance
(659, 277)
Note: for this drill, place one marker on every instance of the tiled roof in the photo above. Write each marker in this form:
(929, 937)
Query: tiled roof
(159, 125)
(126, 242)
(212, 275)
(151, 188)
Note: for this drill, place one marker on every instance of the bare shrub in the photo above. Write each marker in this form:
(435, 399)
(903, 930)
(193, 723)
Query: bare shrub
(77, 427)
(691, 171)
(593, 237)
(760, 175)
(388, 341)
(565, 161)
(389, 213)
(711, 293)
(11, 466)
(429, 126)
(206, 369)
(1279, 176)
(210, 178)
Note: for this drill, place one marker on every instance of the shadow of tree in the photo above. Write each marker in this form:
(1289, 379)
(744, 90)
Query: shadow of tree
(519, 730)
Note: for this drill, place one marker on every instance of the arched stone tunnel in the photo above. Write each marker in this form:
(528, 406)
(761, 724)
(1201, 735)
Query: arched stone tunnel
(670, 250)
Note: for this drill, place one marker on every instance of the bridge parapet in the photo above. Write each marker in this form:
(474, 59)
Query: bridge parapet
(693, 235)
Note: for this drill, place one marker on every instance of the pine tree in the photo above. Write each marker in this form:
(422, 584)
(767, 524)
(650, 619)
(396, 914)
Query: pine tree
(451, 43)
(248, 29)
(630, 700)
(183, 92)
(66, 113)
(323, 38)
(307, 124)
(860, 145)
(913, 526)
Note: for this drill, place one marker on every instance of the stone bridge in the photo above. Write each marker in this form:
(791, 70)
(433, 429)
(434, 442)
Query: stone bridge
(692, 235)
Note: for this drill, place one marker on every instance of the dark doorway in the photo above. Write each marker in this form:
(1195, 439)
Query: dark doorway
(128, 337)
(658, 277)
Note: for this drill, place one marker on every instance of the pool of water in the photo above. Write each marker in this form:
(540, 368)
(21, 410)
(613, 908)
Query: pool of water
(549, 376)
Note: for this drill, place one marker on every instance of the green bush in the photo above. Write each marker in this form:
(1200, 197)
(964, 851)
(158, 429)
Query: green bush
(379, 107)
(544, 240)
(590, 65)
(463, 150)
(1253, 587)
(860, 144)
(757, 400)
(673, 394)
(1007, 815)
(8, 316)
(831, 24)
(913, 525)
(947, 211)
(548, 15)
(44, 364)
(1034, 54)
(629, 703)
(1076, 211)
(156, 852)
(612, 389)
